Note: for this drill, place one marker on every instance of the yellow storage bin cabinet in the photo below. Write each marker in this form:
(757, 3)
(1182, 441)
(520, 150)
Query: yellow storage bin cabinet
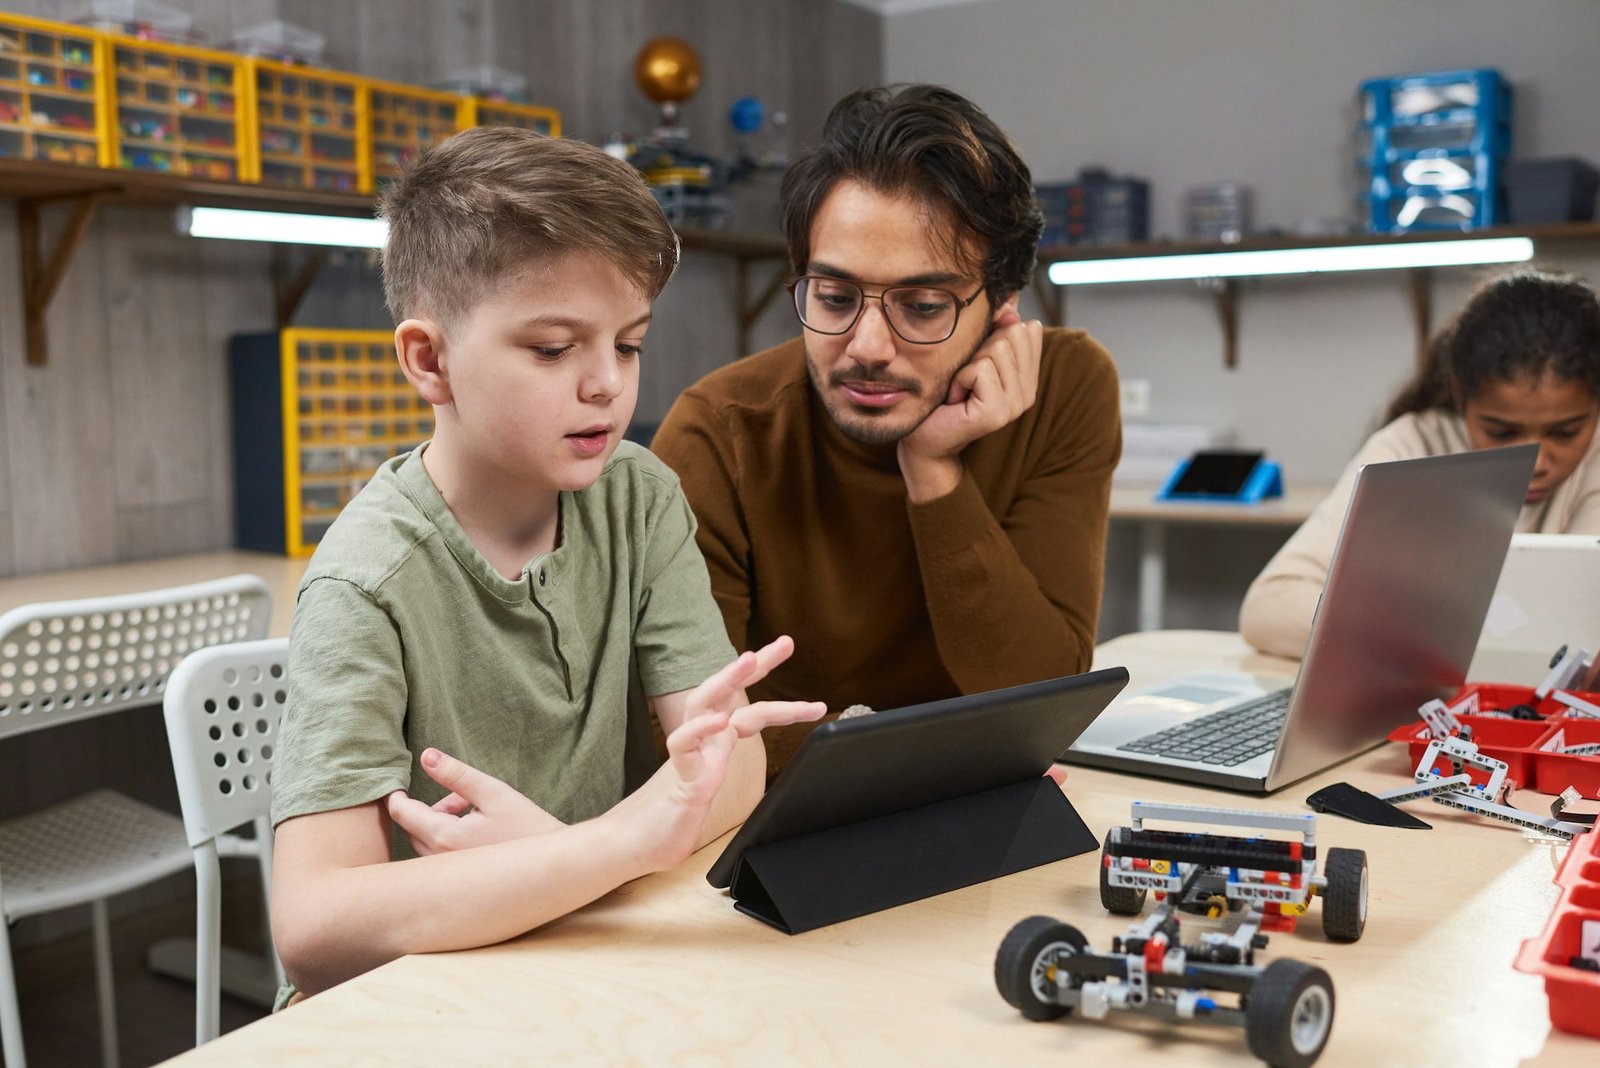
(310, 128)
(51, 101)
(177, 109)
(480, 112)
(403, 120)
(315, 413)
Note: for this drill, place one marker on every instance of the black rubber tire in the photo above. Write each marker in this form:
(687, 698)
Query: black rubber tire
(1289, 1014)
(1344, 898)
(1020, 953)
(1118, 900)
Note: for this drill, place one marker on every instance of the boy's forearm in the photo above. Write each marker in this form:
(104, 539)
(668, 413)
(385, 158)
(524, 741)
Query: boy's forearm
(343, 922)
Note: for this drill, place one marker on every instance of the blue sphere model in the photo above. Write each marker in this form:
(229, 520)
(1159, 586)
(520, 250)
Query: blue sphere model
(746, 114)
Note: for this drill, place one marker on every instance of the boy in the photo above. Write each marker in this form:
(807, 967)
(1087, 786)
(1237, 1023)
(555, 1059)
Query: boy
(477, 612)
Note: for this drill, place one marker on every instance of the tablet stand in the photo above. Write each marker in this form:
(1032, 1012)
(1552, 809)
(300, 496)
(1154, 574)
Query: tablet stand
(811, 880)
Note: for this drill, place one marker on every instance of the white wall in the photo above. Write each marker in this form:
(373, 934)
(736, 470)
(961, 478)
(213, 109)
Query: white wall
(1263, 93)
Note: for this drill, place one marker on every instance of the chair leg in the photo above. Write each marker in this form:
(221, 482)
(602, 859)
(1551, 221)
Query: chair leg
(105, 990)
(207, 944)
(10, 1014)
(264, 858)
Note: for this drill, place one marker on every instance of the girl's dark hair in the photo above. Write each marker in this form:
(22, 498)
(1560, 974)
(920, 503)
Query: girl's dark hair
(1528, 321)
(938, 148)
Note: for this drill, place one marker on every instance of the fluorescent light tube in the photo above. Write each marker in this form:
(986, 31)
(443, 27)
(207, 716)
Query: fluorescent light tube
(1292, 261)
(236, 225)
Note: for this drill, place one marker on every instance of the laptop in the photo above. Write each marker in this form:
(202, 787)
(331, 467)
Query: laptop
(1548, 596)
(1408, 587)
(853, 769)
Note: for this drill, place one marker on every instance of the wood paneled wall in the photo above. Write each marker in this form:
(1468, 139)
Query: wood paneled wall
(118, 449)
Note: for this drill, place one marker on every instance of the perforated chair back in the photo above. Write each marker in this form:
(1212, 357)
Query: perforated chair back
(70, 660)
(67, 660)
(222, 709)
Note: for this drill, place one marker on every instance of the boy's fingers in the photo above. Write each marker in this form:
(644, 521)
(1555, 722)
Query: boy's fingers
(693, 732)
(754, 718)
(774, 653)
(453, 804)
(460, 778)
(413, 817)
(725, 682)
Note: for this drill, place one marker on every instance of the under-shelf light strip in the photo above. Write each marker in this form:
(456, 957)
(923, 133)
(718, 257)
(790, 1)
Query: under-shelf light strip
(239, 225)
(1292, 261)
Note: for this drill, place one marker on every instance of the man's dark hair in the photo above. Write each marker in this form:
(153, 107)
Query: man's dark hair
(936, 147)
(1529, 321)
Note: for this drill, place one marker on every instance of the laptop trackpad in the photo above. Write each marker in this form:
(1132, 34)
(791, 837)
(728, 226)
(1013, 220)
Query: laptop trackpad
(1172, 703)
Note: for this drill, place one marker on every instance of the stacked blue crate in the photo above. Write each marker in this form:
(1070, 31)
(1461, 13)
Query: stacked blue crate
(1435, 145)
(1097, 209)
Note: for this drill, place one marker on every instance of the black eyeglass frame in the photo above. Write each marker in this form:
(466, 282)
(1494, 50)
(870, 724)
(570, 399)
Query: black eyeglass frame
(960, 303)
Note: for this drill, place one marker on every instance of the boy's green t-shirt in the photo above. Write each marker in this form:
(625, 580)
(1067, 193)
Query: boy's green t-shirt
(405, 637)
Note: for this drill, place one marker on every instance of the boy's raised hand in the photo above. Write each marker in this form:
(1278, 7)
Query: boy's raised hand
(699, 749)
(479, 809)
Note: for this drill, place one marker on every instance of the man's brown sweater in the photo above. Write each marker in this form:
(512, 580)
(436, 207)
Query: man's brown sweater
(809, 533)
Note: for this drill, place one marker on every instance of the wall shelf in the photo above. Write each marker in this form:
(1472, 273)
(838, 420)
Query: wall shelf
(1225, 291)
(36, 184)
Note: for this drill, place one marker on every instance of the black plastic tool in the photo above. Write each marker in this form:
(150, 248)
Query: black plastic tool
(1342, 799)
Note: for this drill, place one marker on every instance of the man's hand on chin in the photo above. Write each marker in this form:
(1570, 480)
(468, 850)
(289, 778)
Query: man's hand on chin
(997, 385)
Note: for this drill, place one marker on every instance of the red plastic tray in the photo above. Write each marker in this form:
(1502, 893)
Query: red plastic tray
(1526, 745)
(1574, 993)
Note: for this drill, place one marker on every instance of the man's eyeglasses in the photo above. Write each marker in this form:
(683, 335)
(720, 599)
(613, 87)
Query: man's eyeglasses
(918, 314)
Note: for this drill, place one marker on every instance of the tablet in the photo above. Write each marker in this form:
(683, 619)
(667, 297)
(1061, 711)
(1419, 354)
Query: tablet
(853, 769)
(1220, 473)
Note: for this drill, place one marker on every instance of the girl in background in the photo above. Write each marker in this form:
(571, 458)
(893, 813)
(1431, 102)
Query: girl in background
(1520, 363)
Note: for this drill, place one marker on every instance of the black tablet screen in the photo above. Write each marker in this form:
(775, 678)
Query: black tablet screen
(1221, 474)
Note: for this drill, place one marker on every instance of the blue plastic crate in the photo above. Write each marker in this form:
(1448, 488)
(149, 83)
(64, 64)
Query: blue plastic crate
(1422, 208)
(1467, 110)
(1434, 146)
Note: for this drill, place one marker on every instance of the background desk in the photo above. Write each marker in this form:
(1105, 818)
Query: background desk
(1138, 504)
(664, 970)
(281, 574)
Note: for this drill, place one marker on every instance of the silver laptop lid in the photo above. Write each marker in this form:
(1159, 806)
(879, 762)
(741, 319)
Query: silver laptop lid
(1412, 574)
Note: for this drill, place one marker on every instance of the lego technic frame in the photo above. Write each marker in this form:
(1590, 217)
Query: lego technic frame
(1212, 874)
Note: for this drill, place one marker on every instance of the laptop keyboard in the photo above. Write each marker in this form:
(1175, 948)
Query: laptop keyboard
(1228, 737)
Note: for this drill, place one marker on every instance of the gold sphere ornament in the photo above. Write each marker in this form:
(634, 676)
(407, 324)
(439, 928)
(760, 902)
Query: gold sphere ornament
(667, 70)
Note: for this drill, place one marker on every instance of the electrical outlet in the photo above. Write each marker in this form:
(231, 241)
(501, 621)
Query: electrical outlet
(1135, 398)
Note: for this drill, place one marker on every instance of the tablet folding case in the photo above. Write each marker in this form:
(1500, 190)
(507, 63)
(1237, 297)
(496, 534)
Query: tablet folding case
(882, 810)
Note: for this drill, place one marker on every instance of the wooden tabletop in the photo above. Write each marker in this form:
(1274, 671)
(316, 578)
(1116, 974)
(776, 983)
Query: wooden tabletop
(1290, 510)
(664, 970)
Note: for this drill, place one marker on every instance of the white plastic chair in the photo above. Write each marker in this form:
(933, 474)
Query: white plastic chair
(71, 660)
(222, 707)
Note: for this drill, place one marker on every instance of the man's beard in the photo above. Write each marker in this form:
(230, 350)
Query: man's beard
(866, 428)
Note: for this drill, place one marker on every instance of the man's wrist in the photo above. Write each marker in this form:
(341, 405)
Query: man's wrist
(929, 478)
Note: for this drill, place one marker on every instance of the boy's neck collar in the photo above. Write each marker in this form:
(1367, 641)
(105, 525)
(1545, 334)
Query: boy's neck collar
(505, 542)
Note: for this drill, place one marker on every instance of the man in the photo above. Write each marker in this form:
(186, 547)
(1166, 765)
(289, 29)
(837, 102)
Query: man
(917, 488)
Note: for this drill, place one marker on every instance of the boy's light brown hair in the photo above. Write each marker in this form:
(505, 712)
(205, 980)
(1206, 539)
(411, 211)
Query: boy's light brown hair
(475, 211)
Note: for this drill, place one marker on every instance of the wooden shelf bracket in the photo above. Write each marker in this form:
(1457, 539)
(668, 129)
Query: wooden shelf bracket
(1052, 298)
(290, 285)
(1421, 283)
(1225, 292)
(750, 310)
(41, 273)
